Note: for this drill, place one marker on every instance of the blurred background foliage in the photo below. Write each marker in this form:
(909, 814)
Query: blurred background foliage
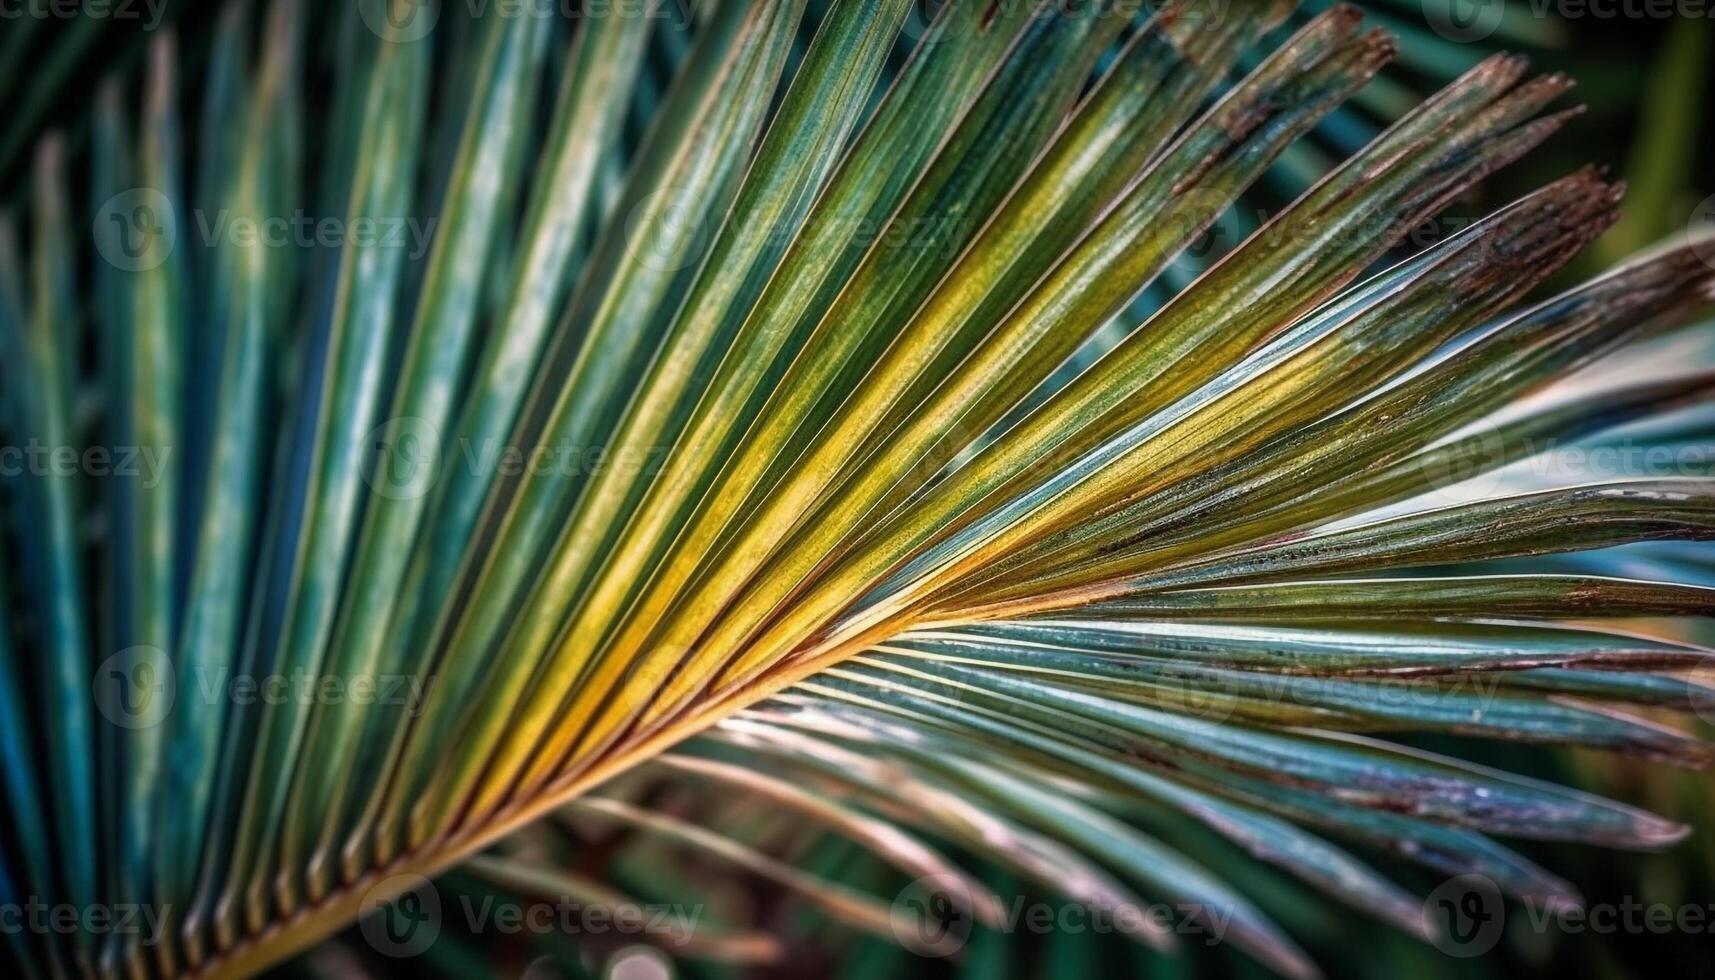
(1650, 120)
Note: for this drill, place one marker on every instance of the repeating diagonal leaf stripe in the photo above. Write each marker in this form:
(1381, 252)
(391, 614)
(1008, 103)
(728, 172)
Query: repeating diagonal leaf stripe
(790, 433)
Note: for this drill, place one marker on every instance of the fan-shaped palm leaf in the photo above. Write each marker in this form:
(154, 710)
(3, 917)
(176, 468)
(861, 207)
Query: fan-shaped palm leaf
(772, 438)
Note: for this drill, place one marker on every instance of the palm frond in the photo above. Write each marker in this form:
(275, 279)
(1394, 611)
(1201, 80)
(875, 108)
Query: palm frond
(826, 431)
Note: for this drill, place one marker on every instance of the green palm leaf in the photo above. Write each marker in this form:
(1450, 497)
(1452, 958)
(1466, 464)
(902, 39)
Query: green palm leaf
(804, 414)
